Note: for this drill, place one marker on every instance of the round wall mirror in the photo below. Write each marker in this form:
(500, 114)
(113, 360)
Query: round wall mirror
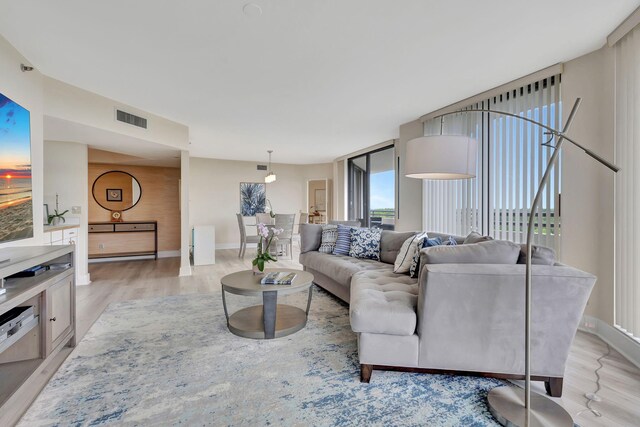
(116, 191)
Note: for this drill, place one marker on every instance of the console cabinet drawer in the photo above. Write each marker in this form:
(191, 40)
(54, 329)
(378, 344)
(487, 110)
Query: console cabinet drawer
(70, 233)
(100, 228)
(135, 227)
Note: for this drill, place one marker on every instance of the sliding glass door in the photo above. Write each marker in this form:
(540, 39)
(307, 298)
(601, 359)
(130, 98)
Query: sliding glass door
(372, 183)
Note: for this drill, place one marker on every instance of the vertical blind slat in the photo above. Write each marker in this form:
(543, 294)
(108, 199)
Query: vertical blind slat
(627, 194)
(516, 161)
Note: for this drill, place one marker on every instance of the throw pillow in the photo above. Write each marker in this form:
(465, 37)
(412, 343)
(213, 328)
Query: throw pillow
(343, 242)
(415, 263)
(539, 255)
(329, 238)
(450, 241)
(365, 243)
(407, 251)
(475, 237)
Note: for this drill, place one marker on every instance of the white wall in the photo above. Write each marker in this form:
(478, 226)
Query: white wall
(215, 192)
(587, 186)
(71, 103)
(409, 197)
(25, 88)
(65, 173)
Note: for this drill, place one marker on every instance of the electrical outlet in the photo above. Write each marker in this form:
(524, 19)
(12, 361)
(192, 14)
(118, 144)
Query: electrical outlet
(76, 210)
(101, 246)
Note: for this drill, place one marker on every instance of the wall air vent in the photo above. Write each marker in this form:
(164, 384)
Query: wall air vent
(131, 119)
(262, 167)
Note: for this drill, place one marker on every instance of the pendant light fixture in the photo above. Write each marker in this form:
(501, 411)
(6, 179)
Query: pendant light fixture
(271, 177)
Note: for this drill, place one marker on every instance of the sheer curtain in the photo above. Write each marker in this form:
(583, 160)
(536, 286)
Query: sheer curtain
(627, 281)
(511, 158)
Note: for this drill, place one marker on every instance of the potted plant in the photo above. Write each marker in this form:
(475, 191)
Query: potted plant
(57, 217)
(267, 236)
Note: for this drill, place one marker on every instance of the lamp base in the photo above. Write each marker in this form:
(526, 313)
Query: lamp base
(507, 406)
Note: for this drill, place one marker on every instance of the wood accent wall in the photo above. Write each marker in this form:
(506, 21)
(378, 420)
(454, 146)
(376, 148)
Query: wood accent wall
(159, 201)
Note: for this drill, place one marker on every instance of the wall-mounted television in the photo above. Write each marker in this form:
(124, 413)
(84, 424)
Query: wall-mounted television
(16, 203)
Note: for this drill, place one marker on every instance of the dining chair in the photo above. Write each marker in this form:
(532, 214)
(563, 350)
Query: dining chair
(285, 238)
(304, 219)
(244, 239)
(263, 218)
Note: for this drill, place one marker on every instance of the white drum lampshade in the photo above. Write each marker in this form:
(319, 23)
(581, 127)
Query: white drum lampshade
(441, 157)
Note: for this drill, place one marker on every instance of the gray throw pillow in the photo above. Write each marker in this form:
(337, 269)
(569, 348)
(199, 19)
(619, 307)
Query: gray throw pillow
(475, 237)
(491, 252)
(539, 255)
(310, 237)
(329, 238)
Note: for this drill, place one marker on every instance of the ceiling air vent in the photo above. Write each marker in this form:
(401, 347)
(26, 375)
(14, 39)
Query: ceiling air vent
(262, 167)
(131, 119)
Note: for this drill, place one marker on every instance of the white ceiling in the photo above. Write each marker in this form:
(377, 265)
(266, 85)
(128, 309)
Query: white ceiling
(310, 79)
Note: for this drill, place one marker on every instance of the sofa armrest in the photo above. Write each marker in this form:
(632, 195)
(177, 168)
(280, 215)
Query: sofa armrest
(310, 237)
(471, 316)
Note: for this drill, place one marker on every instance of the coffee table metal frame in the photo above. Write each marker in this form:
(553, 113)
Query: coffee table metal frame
(269, 320)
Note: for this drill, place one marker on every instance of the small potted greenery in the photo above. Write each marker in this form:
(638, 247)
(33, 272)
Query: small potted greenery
(263, 255)
(57, 217)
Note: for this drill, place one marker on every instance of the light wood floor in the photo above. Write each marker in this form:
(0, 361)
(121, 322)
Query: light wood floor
(620, 383)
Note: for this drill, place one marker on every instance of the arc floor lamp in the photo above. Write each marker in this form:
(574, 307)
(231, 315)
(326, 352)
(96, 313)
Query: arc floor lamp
(454, 157)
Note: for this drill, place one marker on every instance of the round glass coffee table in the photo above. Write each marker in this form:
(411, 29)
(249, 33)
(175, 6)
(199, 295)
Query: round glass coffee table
(270, 319)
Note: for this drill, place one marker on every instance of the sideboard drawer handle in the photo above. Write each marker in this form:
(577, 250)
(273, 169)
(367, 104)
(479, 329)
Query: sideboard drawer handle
(53, 319)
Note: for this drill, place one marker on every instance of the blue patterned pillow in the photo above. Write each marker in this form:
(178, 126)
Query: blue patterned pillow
(329, 238)
(415, 263)
(365, 243)
(450, 241)
(343, 242)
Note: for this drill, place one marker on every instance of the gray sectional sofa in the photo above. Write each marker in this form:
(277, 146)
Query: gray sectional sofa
(464, 314)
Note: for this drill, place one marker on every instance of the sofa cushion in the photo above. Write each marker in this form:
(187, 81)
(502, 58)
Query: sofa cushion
(310, 237)
(539, 255)
(343, 243)
(329, 238)
(348, 223)
(390, 244)
(383, 302)
(491, 252)
(475, 237)
(340, 268)
(406, 253)
(365, 243)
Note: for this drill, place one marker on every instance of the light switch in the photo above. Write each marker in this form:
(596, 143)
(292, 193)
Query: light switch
(76, 210)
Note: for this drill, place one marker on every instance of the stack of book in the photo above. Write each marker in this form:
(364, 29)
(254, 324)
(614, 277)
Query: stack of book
(278, 278)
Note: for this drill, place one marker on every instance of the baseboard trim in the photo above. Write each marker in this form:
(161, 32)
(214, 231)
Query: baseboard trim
(168, 254)
(233, 245)
(83, 279)
(161, 254)
(185, 271)
(621, 342)
(121, 258)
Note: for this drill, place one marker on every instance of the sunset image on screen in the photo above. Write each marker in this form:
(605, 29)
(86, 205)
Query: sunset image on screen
(16, 208)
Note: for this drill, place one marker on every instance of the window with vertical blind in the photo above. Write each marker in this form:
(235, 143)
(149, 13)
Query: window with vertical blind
(627, 197)
(511, 158)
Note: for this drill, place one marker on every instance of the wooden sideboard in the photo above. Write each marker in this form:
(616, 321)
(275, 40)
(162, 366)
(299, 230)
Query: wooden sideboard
(29, 350)
(123, 239)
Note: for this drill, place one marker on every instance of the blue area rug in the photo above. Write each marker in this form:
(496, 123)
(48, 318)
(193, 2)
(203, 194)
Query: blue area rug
(171, 360)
